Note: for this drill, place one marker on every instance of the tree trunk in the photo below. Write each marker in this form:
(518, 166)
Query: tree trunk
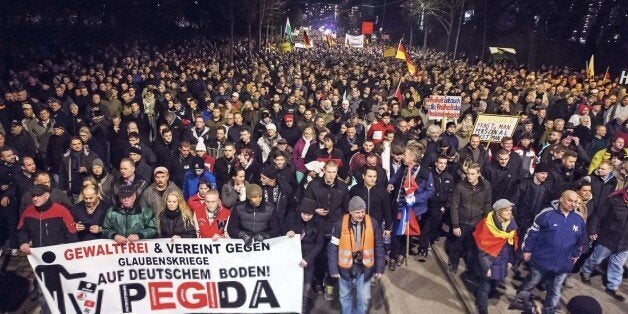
(452, 15)
(231, 37)
(260, 23)
(425, 31)
(484, 29)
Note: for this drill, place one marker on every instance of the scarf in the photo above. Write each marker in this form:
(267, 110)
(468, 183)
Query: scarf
(490, 238)
(306, 146)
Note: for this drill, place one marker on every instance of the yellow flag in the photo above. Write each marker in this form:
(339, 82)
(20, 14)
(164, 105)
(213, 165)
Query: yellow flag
(591, 68)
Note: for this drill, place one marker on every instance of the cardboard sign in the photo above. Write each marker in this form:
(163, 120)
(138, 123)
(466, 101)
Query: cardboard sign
(440, 107)
(495, 127)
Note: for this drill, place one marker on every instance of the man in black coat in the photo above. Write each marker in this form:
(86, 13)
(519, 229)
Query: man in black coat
(376, 198)
(530, 197)
(21, 140)
(609, 226)
(304, 222)
(254, 219)
(503, 178)
(222, 168)
(603, 183)
(436, 205)
(561, 176)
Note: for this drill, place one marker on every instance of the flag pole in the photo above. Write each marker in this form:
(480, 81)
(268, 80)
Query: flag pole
(407, 239)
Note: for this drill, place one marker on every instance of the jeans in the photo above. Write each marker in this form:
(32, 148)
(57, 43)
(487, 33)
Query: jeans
(362, 291)
(481, 294)
(554, 286)
(616, 262)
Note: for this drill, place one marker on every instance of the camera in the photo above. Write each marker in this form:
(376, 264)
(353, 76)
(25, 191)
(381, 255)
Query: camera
(357, 258)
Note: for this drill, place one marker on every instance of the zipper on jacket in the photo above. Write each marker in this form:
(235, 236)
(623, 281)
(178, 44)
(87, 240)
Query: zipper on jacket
(41, 231)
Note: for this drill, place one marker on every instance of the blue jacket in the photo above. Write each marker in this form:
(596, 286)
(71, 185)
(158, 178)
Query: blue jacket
(554, 239)
(191, 180)
(425, 182)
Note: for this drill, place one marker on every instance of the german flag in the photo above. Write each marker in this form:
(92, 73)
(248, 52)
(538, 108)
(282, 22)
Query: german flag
(490, 239)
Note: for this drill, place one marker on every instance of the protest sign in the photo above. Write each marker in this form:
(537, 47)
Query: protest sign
(165, 276)
(367, 28)
(623, 77)
(354, 41)
(285, 47)
(390, 52)
(494, 127)
(440, 106)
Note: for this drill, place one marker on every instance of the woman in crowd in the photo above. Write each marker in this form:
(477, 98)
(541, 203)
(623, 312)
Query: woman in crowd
(235, 190)
(176, 218)
(496, 238)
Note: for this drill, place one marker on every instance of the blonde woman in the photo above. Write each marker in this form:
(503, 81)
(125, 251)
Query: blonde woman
(176, 218)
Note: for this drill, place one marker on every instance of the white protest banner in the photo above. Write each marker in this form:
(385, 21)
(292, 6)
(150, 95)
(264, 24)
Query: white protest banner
(162, 276)
(623, 77)
(495, 126)
(354, 41)
(441, 106)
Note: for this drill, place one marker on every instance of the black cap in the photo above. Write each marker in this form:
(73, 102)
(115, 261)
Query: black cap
(16, 123)
(542, 167)
(198, 163)
(135, 150)
(308, 206)
(270, 172)
(126, 190)
(40, 189)
(59, 125)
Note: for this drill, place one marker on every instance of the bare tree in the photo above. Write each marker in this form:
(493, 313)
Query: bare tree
(443, 11)
(268, 11)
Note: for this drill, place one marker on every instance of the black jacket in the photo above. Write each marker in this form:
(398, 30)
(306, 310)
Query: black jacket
(23, 144)
(467, 152)
(245, 220)
(529, 199)
(443, 185)
(600, 190)
(334, 198)
(97, 218)
(377, 202)
(172, 224)
(312, 238)
(222, 171)
(503, 180)
(610, 223)
(470, 203)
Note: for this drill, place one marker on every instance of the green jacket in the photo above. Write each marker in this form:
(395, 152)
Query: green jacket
(124, 222)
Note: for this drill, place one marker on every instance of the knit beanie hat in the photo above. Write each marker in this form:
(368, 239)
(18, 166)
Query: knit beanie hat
(98, 162)
(200, 146)
(356, 203)
(253, 190)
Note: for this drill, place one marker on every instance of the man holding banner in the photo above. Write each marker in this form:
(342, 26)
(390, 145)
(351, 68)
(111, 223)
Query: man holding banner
(355, 255)
(58, 222)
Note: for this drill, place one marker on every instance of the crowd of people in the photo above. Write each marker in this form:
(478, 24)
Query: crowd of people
(136, 141)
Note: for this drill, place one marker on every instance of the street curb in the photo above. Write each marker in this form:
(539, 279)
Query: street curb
(384, 284)
(442, 262)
